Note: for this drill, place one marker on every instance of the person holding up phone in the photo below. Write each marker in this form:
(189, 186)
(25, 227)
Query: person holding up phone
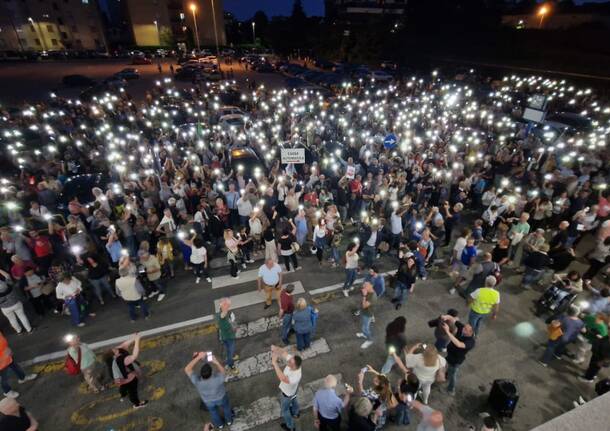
(210, 384)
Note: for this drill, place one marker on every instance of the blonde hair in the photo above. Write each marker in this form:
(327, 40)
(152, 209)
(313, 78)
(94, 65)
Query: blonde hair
(301, 304)
(430, 356)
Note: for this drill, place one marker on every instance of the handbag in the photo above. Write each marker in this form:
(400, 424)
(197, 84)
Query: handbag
(71, 366)
(441, 375)
(295, 247)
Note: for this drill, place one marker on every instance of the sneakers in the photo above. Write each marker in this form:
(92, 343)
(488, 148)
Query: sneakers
(197, 280)
(584, 379)
(544, 364)
(208, 279)
(243, 265)
(357, 313)
(142, 404)
(161, 297)
(153, 294)
(452, 291)
(236, 277)
(249, 261)
(81, 324)
(28, 378)
(366, 344)
(11, 394)
(360, 335)
(298, 268)
(345, 293)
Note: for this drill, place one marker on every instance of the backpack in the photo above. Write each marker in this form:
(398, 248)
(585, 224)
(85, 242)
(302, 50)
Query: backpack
(71, 366)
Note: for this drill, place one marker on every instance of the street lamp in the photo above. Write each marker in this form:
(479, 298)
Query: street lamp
(253, 32)
(193, 8)
(158, 35)
(215, 31)
(542, 12)
(38, 33)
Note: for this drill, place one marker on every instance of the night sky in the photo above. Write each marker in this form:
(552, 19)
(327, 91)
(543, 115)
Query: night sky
(245, 9)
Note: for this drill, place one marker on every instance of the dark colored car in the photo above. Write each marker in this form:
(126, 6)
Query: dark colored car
(128, 73)
(245, 159)
(141, 60)
(187, 74)
(77, 81)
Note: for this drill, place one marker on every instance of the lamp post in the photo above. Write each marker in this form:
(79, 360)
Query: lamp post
(193, 7)
(38, 33)
(158, 35)
(542, 12)
(215, 31)
(253, 32)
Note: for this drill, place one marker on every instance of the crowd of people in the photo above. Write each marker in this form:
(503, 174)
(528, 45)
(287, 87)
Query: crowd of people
(110, 197)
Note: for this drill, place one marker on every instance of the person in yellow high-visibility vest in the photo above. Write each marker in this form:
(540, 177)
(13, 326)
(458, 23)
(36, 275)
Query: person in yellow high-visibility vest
(483, 301)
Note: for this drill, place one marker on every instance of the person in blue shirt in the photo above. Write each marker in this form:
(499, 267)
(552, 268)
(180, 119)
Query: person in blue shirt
(376, 280)
(327, 406)
(469, 253)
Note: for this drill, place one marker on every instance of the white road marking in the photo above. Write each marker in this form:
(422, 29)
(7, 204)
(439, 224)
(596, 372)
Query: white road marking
(261, 363)
(255, 297)
(340, 285)
(244, 277)
(267, 409)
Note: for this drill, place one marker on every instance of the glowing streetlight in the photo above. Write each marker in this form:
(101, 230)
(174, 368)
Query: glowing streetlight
(158, 35)
(215, 31)
(253, 32)
(542, 12)
(193, 8)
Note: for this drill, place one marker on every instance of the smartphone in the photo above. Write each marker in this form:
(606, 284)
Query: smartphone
(424, 346)
(392, 350)
(364, 370)
(210, 357)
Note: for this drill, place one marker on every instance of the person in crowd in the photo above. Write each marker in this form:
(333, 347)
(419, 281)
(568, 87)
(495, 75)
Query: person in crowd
(328, 406)
(131, 290)
(270, 280)
(351, 267)
(425, 365)
(153, 273)
(395, 341)
(225, 321)
(83, 356)
(379, 394)
(441, 338)
(361, 416)
(14, 417)
(484, 302)
(286, 312)
(97, 272)
(8, 363)
(199, 258)
(596, 327)
(287, 249)
(431, 420)
(303, 325)
(210, 384)
(125, 369)
(367, 309)
(404, 281)
(69, 291)
(289, 378)
(459, 345)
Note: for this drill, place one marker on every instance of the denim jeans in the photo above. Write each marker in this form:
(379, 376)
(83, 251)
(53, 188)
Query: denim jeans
(131, 306)
(159, 285)
(74, 307)
(452, 371)
(401, 292)
(214, 409)
(366, 326)
(551, 347)
(303, 341)
(532, 276)
(389, 363)
(368, 254)
(229, 351)
(290, 408)
(475, 319)
(4, 375)
(100, 283)
(441, 344)
(402, 414)
(286, 326)
(350, 277)
(334, 252)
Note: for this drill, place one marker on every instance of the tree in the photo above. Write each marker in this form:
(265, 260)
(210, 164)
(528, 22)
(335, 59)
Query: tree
(298, 13)
(166, 37)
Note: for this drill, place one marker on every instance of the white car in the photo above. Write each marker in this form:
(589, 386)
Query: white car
(232, 121)
(229, 110)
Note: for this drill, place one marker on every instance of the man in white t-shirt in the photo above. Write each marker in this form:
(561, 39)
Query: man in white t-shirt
(270, 279)
(68, 291)
(289, 378)
(431, 420)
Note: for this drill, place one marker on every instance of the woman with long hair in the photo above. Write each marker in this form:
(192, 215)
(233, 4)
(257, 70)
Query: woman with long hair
(427, 365)
(395, 341)
(380, 395)
(320, 239)
(286, 251)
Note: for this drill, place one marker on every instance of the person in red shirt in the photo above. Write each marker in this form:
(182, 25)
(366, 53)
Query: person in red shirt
(43, 250)
(286, 310)
(20, 266)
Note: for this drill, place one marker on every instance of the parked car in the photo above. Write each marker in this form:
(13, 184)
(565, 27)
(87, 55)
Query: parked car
(128, 73)
(77, 81)
(389, 65)
(187, 74)
(381, 76)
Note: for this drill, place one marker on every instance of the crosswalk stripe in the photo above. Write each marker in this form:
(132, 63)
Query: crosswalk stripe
(244, 277)
(340, 285)
(261, 363)
(267, 409)
(255, 297)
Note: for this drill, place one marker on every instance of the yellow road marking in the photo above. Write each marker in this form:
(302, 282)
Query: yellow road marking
(153, 423)
(79, 416)
(145, 344)
(325, 297)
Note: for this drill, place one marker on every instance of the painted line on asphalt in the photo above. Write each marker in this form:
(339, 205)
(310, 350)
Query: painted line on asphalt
(267, 409)
(340, 285)
(244, 277)
(261, 363)
(243, 330)
(255, 297)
